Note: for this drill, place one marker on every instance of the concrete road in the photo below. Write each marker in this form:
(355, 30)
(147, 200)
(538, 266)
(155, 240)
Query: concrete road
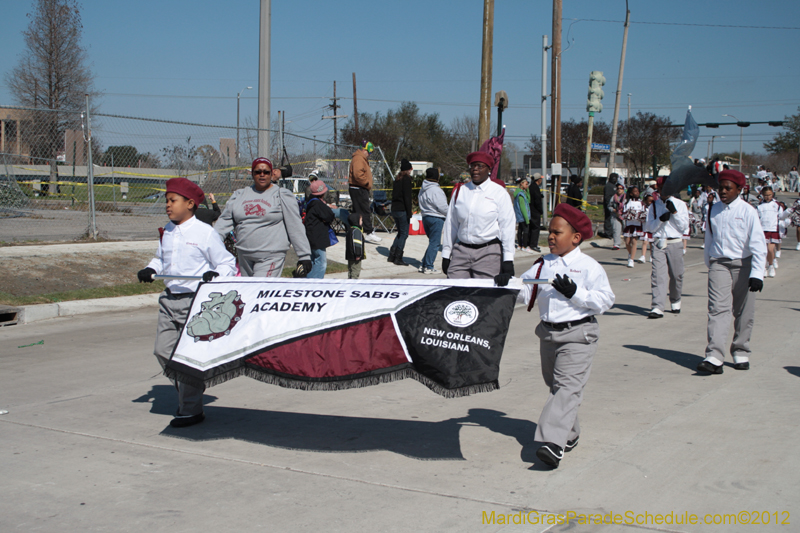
(87, 445)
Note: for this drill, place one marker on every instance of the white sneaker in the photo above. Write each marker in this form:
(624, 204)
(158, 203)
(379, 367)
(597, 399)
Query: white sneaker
(777, 254)
(650, 260)
(676, 307)
(771, 271)
(703, 246)
(684, 251)
(430, 271)
(421, 270)
(371, 237)
(797, 247)
(642, 259)
(630, 263)
(775, 262)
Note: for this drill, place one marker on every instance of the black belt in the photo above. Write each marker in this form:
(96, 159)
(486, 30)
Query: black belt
(565, 325)
(178, 294)
(479, 246)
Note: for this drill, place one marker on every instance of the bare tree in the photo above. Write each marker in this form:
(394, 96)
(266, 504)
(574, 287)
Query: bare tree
(647, 140)
(52, 75)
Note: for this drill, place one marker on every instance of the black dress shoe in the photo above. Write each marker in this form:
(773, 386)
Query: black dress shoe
(550, 454)
(742, 366)
(536, 249)
(186, 421)
(655, 315)
(705, 366)
(571, 444)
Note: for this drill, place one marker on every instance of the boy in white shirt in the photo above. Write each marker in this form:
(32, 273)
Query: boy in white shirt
(735, 253)
(568, 331)
(187, 247)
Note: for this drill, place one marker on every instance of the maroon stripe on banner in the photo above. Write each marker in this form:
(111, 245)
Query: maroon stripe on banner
(342, 352)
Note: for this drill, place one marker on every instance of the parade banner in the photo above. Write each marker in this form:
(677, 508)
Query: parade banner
(338, 334)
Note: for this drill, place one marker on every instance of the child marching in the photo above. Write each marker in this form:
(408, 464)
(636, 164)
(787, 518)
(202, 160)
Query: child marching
(187, 247)
(632, 215)
(735, 254)
(568, 331)
(769, 213)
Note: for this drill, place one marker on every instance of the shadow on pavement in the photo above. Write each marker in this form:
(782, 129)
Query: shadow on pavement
(687, 360)
(163, 399)
(416, 439)
(794, 370)
(631, 309)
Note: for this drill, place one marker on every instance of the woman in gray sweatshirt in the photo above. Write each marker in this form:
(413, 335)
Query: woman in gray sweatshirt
(433, 206)
(265, 220)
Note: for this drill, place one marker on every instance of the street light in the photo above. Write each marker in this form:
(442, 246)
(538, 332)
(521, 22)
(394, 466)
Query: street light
(740, 139)
(711, 145)
(238, 95)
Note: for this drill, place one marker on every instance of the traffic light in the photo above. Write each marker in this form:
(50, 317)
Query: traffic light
(596, 81)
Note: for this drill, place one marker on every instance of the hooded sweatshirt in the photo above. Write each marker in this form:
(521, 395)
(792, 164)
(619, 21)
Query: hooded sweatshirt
(360, 173)
(432, 201)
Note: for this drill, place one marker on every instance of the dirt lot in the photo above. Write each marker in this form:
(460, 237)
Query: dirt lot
(31, 276)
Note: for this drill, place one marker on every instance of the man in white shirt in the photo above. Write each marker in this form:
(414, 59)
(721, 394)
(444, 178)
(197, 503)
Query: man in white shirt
(478, 237)
(667, 219)
(735, 254)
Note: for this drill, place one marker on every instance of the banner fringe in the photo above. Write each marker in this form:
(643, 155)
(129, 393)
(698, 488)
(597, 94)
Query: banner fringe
(355, 383)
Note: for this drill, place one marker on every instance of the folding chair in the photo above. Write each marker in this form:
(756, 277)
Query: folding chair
(380, 216)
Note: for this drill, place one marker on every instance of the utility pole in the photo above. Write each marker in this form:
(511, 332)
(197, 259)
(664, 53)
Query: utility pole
(334, 106)
(355, 105)
(555, 90)
(263, 79)
(544, 121)
(613, 155)
(484, 117)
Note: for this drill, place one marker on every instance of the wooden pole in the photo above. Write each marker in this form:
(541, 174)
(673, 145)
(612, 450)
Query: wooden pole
(484, 117)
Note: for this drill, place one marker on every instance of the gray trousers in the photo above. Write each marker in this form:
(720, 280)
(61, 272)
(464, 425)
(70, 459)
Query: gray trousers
(269, 265)
(566, 364)
(616, 230)
(667, 267)
(729, 294)
(172, 314)
(468, 263)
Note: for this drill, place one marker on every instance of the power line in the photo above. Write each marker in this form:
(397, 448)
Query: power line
(690, 24)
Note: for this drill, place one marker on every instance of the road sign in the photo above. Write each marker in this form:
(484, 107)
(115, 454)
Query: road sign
(598, 146)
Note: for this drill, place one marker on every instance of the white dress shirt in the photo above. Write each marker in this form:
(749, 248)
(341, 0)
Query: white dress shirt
(675, 227)
(191, 249)
(769, 213)
(480, 214)
(736, 233)
(593, 297)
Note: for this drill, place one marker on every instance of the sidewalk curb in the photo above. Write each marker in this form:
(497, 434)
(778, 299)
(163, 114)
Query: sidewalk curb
(34, 313)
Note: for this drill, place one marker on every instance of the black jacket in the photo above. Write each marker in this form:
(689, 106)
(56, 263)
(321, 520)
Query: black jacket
(318, 220)
(536, 199)
(401, 195)
(573, 191)
(209, 216)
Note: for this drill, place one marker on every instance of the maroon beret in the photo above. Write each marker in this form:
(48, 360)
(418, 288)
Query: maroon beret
(257, 161)
(660, 180)
(733, 175)
(480, 157)
(186, 188)
(576, 218)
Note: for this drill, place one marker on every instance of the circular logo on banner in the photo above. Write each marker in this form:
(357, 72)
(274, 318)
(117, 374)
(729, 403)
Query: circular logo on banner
(461, 314)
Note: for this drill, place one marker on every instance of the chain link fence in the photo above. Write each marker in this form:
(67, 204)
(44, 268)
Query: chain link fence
(54, 188)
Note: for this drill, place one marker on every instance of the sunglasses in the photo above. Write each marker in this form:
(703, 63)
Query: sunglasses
(261, 172)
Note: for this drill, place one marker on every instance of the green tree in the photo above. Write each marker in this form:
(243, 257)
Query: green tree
(788, 141)
(646, 139)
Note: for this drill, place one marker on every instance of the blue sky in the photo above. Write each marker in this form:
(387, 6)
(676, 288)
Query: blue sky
(187, 59)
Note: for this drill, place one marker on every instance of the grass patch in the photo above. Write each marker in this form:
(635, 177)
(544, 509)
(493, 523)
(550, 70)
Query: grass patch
(127, 289)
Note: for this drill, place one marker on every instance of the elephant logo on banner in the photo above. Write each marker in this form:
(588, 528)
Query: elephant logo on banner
(218, 316)
(461, 314)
